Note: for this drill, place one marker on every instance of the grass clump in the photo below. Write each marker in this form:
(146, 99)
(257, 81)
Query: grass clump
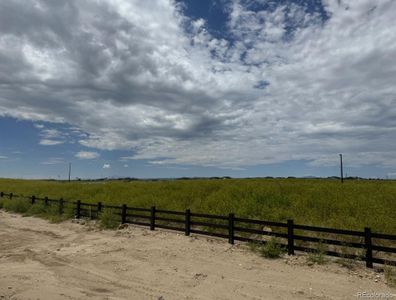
(69, 211)
(270, 249)
(54, 214)
(390, 275)
(16, 205)
(50, 212)
(108, 220)
(318, 256)
(36, 210)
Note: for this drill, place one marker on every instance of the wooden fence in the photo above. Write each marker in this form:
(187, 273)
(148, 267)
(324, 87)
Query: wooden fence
(375, 247)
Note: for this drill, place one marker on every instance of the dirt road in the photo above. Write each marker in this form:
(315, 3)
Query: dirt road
(39, 260)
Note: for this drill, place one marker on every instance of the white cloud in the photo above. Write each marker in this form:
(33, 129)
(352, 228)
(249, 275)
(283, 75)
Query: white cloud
(137, 80)
(198, 24)
(126, 166)
(3, 157)
(50, 137)
(39, 126)
(53, 161)
(106, 166)
(51, 133)
(48, 142)
(87, 155)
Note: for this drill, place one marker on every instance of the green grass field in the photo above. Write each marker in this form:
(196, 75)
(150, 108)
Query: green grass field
(352, 205)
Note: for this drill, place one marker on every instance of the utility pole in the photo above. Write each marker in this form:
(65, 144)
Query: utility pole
(69, 171)
(341, 169)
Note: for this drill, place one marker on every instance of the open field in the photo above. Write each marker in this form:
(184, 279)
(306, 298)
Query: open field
(39, 260)
(352, 205)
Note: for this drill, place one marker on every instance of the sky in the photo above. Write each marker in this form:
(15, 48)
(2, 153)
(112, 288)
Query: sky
(167, 88)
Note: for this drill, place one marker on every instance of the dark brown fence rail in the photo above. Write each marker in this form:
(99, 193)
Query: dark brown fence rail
(375, 247)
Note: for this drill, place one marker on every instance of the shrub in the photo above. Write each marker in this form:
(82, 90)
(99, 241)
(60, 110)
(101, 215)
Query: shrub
(271, 248)
(108, 219)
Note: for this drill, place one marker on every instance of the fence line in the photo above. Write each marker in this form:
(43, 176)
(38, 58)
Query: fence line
(225, 227)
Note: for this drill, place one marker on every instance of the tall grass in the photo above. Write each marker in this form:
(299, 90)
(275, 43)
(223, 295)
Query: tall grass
(108, 219)
(49, 212)
(352, 205)
(16, 205)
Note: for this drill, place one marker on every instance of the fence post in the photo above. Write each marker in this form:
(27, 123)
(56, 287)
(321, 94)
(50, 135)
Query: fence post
(290, 237)
(187, 222)
(369, 248)
(152, 218)
(123, 214)
(99, 207)
(46, 200)
(61, 206)
(33, 199)
(1, 194)
(231, 228)
(11, 194)
(78, 209)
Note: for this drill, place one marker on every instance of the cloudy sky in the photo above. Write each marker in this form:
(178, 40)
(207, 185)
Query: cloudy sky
(165, 88)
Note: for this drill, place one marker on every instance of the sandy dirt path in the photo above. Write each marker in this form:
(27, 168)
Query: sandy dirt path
(39, 260)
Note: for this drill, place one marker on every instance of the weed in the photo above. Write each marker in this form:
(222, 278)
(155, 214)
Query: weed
(16, 205)
(108, 220)
(269, 249)
(53, 213)
(318, 256)
(69, 211)
(56, 218)
(36, 210)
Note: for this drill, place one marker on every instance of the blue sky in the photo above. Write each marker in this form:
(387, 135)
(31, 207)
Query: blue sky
(165, 88)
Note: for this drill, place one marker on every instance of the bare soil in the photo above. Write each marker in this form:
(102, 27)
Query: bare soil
(39, 260)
